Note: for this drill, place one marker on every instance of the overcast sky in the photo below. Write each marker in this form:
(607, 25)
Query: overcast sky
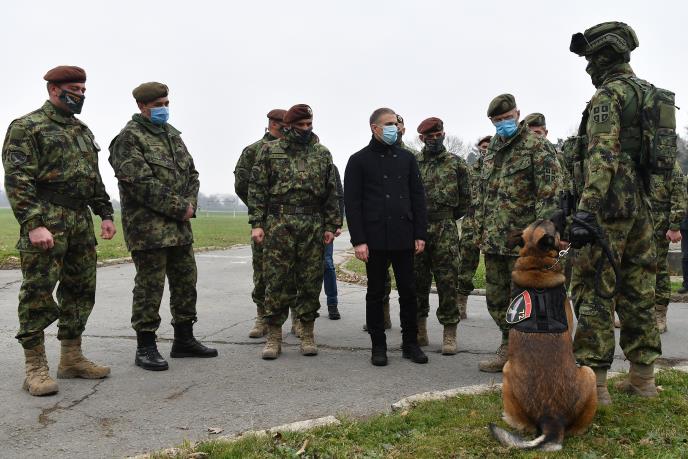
(229, 63)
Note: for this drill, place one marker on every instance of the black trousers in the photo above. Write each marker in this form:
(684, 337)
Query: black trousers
(376, 269)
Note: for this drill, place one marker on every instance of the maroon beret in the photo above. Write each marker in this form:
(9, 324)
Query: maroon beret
(297, 113)
(66, 74)
(430, 125)
(487, 138)
(277, 114)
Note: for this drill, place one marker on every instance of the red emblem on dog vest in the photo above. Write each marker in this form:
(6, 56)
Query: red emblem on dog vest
(520, 309)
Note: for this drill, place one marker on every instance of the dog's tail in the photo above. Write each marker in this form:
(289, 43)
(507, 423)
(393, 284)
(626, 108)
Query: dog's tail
(551, 439)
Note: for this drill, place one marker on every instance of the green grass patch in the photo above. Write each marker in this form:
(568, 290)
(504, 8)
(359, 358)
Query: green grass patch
(211, 229)
(631, 427)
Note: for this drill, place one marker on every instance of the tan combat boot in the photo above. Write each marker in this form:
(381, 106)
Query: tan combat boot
(259, 329)
(422, 331)
(273, 345)
(296, 328)
(461, 302)
(496, 363)
(73, 364)
(308, 346)
(603, 397)
(387, 318)
(38, 380)
(640, 381)
(661, 311)
(449, 340)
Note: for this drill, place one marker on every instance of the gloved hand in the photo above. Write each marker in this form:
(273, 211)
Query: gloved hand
(580, 235)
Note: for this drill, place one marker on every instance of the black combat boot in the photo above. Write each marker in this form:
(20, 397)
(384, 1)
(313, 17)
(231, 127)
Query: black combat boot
(185, 345)
(379, 350)
(147, 355)
(333, 312)
(412, 351)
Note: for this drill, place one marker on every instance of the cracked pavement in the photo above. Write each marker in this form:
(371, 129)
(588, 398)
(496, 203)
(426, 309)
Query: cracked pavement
(135, 411)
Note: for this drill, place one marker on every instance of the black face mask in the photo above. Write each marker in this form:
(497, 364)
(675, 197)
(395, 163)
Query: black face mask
(600, 65)
(434, 145)
(74, 102)
(302, 136)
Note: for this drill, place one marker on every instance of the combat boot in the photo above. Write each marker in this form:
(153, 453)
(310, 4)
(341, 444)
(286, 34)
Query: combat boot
(296, 328)
(273, 345)
(640, 381)
(413, 352)
(73, 364)
(147, 355)
(185, 345)
(449, 340)
(387, 318)
(308, 346)
(661, 311)
(603, 397)
(38, 380)
(259, 329)
(462, 302)
(333, 312)
(378, 355)
(496, 363)
(422, 331)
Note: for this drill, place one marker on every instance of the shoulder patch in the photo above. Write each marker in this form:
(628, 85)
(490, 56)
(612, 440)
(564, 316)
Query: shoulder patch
(17, 132)
(600, 113)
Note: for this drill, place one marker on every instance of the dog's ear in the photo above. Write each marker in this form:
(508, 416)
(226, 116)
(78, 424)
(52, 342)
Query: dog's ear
(515, 239)
(546, 243)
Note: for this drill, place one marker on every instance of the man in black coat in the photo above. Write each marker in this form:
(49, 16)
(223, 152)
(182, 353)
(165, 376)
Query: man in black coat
(387, 221)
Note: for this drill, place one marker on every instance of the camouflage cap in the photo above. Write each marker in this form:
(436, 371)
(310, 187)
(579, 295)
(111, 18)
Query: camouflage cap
(487, 138)
(501, 104)
(297, 113)
(430, 125)
(277, 114)
(148, 92)
(617, 35)
(535, 119)
(66, 74)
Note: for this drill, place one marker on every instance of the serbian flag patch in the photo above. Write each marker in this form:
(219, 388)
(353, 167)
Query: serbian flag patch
(520, 308)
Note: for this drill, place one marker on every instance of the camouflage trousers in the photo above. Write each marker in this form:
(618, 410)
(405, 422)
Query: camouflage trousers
(258, 293)
(293, 262)
(152, 266)
(439, 259)
(469, 258)
(70, 264)
(498, 289)
(662, 279)
(633, 246)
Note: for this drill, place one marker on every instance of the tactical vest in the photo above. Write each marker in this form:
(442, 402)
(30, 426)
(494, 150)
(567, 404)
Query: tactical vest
(538, 310)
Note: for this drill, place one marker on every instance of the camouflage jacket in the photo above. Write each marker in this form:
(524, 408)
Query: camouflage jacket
(446, 181)
(668, 198)
(470, 226)
(157, 181)
(242, 171)
(519, 183)
(48, 149)
(289, 173)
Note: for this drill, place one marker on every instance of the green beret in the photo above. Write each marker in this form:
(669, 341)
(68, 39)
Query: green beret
(500, 105)
(535, 119)
(66, 74)
(617, 35)
(148, 92)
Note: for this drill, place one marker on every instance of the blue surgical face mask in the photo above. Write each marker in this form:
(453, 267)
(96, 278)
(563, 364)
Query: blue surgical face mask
(506, 128)
(389, 134)
(159, 115)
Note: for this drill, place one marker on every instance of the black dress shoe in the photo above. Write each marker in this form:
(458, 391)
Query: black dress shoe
(333, 312)
(379, 356)
(414, 353)
(149, 358)
(185, 345)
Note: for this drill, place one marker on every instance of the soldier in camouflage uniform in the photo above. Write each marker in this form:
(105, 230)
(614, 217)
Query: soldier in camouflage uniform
(447, 194)
(293, 205)
(51, 179)
(614, 199)
(158, 187)
(242, 175)
(469, 244)
(519, 182)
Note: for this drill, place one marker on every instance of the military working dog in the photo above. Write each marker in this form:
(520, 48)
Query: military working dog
(543, 390)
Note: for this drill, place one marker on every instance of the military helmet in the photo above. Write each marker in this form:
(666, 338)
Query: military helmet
(617, 35)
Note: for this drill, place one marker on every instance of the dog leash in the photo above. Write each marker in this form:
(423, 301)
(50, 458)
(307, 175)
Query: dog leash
(562, 254)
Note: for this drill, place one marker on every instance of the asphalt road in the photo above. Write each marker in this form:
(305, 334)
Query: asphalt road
(134, 411)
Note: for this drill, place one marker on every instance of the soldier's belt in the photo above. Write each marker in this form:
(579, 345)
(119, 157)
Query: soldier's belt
(278, 209)
(61, 199)
(442, 215)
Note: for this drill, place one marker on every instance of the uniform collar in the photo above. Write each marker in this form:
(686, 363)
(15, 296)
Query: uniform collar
(166, 128)
(58, 115)
(500, 143)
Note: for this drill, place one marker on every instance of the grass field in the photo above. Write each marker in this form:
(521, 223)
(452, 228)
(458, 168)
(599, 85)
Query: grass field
(214, 229)
(457, 428)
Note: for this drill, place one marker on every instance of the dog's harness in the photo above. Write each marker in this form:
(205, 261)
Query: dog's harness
(538, 310)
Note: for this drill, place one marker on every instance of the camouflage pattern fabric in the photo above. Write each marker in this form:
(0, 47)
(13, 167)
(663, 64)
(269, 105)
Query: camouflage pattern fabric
(613, 190)
(51, 149)
(469, 244)
(498, 289)
(288, 174)
(152, 266)
(157, 181)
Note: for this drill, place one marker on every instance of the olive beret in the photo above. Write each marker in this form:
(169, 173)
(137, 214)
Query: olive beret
(535, 119)
(66, 74)
(487, 138)
(618, 35)
(500, 105)
(148, 92)
(276, 114)
(429, 125)
(297, 113)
